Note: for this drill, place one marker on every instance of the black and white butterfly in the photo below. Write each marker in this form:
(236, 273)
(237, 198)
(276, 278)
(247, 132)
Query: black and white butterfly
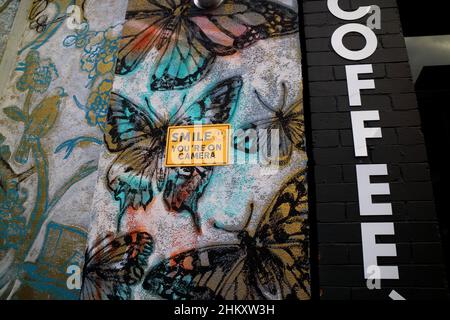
(189, 39)
(114, 264)
(287, 120)
(271, 263)
(139, 133)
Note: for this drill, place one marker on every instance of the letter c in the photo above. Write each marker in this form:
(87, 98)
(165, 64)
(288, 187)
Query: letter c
(333, 6)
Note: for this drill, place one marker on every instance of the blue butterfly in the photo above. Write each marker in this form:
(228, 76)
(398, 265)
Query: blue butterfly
(138, 135)
(189, 39)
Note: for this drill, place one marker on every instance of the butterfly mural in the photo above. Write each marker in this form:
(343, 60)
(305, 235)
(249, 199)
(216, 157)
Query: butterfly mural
(47, 16)
(114, 264)
(188, 39)
(271, 263)
(289, 122)
(139, 133)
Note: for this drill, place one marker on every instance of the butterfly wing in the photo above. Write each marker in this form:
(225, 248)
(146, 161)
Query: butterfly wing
(295, 125)
(112, 265)
(237, 24)
(182, 60)
(289, 129)
(130, 175)
(203, 35)
(142, 31)
(127, 124)
(283, 268)
(131, 132)
(202, 274)
(277, 268)
(222, 272)
(257, 137)
(216, 106)
(188, 39)
(292, 132)
(185, 187)
(37, 8)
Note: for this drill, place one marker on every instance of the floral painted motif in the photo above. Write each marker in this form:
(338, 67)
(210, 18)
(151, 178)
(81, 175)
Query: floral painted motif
(12, 199)
(39, 239)
(98, 60)
(38, 120)
(99, 51)
(37, 73)
(98, 104)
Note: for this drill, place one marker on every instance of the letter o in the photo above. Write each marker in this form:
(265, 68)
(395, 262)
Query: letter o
(354, 55)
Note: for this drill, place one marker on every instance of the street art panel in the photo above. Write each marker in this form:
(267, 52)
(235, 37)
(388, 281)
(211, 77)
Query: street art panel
(52, 117)
(234, 231)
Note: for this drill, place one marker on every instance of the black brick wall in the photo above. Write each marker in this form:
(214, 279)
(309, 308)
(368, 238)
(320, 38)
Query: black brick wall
(334, 202)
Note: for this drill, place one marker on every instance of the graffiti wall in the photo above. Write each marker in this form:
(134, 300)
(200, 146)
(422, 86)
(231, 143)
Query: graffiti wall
(51, 121)
(139, 226)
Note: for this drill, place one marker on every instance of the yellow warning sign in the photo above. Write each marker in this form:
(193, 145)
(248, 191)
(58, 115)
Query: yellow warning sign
(198, 145)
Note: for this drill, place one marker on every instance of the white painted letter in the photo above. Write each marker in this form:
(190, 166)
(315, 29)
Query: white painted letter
(355, 85)
(337, 41)
(361, 133)
(374, 278)
(372, 250)
(74, 280)
(374, 21)
(366, 190)
(333, 6)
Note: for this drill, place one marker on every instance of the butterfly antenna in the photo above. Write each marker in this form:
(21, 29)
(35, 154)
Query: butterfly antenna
(284, 96)
(264, 104)
(249, 216)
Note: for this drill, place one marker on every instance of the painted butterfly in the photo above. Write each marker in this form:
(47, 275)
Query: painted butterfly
(139, 135)
(271, 264)
(39, 19)
(112, 265)
(188, 39)
(288, 120)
